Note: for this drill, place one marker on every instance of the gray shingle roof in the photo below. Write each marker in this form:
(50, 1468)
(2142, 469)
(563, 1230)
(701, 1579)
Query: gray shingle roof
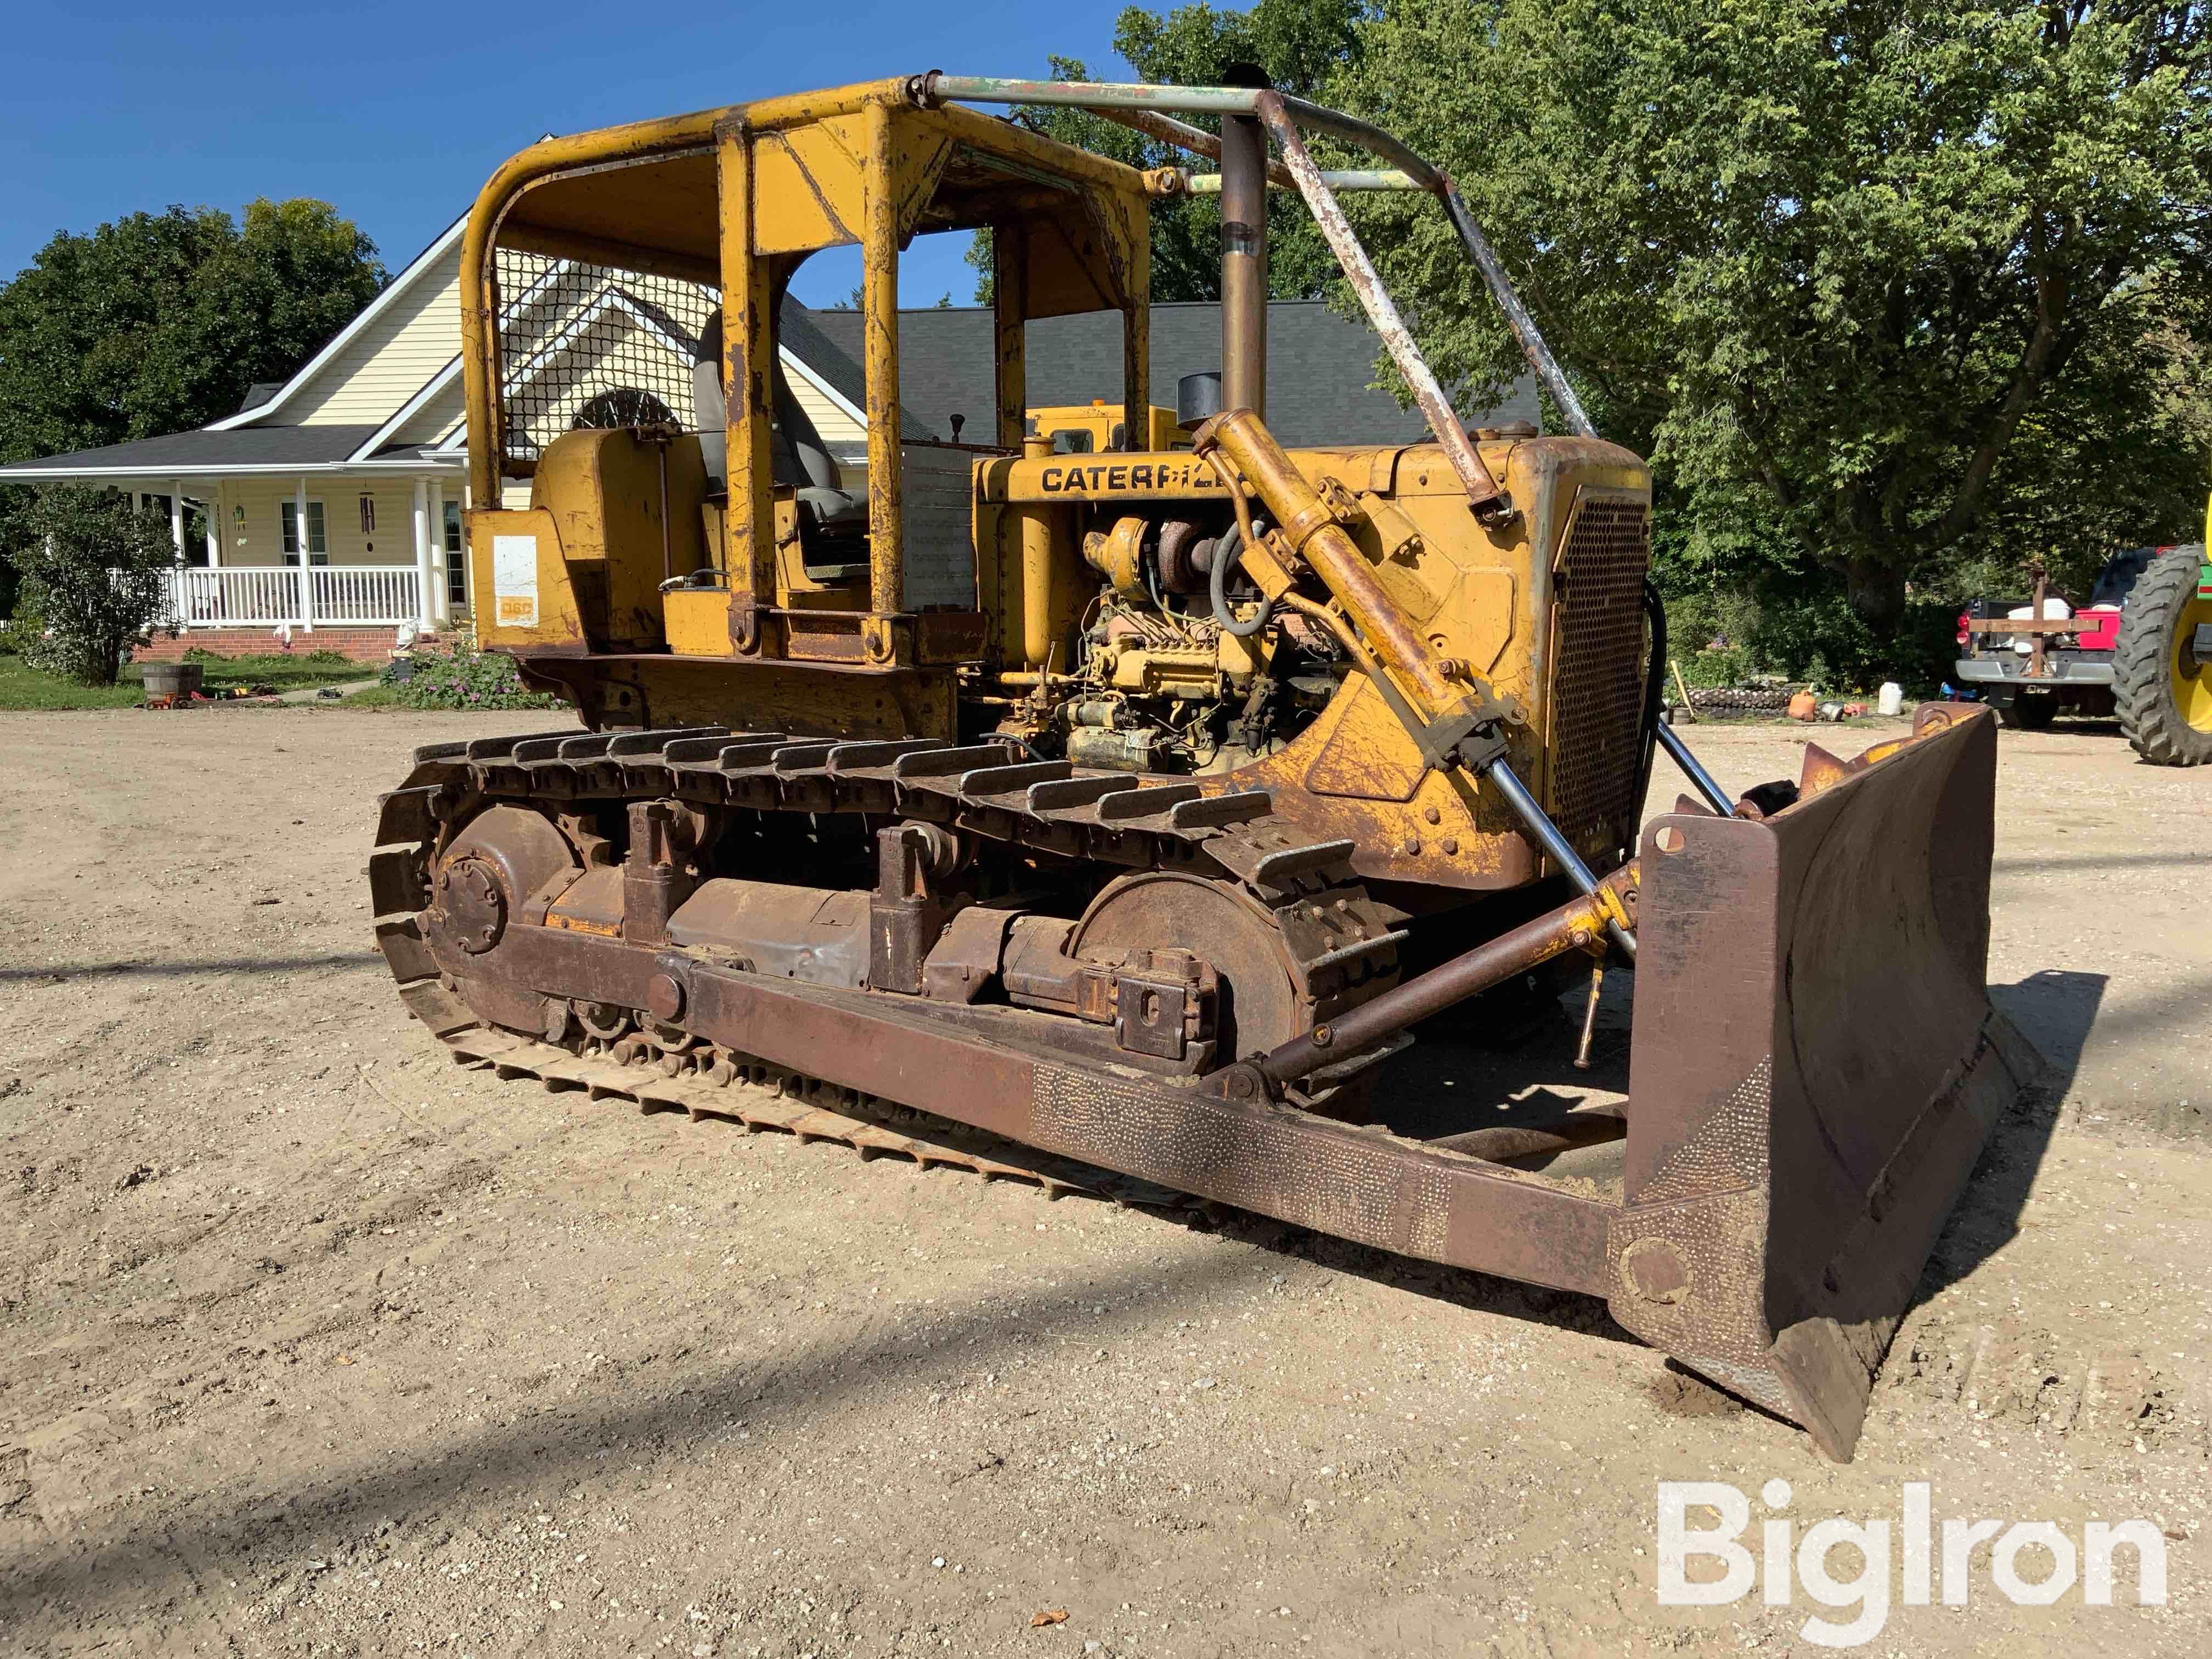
(1321, 366)
(835, 356)
(203, 451)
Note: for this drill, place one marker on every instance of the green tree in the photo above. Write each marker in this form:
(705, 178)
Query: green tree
(92, 566)
(1302, 44)
(160, 322)
(1910, 283)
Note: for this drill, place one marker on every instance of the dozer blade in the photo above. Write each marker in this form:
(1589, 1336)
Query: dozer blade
(1814, 1068)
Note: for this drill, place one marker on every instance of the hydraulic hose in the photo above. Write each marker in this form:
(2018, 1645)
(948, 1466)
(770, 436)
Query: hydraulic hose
(1647, 744)
(1217, 578)
(1656, 733)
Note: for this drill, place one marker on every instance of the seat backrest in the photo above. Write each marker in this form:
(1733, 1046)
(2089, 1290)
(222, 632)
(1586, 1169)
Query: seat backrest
(797, 455)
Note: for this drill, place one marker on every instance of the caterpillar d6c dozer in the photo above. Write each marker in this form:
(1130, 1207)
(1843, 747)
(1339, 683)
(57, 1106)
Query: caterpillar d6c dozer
(1131, 805)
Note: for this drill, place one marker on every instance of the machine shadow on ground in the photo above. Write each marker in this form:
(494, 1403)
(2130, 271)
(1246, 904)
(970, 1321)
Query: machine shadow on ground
(148, 1557)
(2055, 1009)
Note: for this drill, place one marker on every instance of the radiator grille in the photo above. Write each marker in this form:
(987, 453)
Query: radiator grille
(1597, 677)
(586, 345)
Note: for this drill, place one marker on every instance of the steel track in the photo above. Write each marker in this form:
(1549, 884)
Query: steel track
(1343, 944)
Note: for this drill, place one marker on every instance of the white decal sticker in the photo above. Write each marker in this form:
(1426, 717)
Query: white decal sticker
(514, 580)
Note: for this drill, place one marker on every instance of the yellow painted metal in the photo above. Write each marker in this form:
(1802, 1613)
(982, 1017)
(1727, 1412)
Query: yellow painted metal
(599, 570)
(2191, 675)
(879, 341)
(644, 195)
(1309, 526)
(479, 302)
(748, 378)
(1029, 585)
(810, 185)
(832, 700)
(1041, 556)
(697, 621)
(1055, 160)
(740, 197)
(1482, 595)
(1117, 555)
(525, 600)
(1106, 427)
(1009, 278)
(1131, 227)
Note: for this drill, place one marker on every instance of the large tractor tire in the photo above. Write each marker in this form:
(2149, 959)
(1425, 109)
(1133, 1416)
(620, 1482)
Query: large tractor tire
(2160, 680)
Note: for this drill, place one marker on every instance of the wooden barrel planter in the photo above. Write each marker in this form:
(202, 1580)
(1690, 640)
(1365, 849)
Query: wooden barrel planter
(171, 679)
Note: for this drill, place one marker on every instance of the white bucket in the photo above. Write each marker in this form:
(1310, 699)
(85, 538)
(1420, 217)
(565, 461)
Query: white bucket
(1891, 700)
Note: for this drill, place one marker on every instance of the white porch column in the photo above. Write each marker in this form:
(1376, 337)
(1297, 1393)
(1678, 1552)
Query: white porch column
(424, 611)
(215, 523)
(441, 602)
(300, 535)
(176, 516)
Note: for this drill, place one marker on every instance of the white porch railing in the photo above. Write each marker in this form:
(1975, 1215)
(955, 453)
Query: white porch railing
(262, 596)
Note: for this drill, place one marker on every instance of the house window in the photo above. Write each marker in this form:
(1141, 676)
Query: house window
(319, 544)
(457, 567)
(368, 516)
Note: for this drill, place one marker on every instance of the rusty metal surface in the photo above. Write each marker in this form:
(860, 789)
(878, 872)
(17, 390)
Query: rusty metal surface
(1373, 1188)
(1314, 534)
(1243, 153)
(1377, 1189)
(1814, 1066)
(1146, 108)
(744, 1090)
(1483, 493)
(1239, 938)
(1596, 698)
(1576, 924)
(1785, 1174)
(1785, 1169)
(1524, 325)
(1339, 944)
(808, 932)
(1565, 1134)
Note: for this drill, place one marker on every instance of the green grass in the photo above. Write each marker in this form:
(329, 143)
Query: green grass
(370, 696)
(23, 687)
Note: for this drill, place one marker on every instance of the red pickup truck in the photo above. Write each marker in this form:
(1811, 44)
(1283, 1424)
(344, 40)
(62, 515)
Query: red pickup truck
(2031, 670)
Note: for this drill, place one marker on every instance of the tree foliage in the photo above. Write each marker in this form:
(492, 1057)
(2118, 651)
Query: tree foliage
(161, 322)
(1886, 288)
(92, 567)
(1302, 45)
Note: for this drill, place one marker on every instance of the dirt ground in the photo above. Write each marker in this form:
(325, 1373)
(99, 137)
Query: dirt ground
(311, 1342)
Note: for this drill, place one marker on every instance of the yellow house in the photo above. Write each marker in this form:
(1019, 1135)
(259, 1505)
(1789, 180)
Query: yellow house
(331, 503)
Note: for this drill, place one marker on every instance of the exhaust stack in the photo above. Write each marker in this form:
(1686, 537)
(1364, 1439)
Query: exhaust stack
(1244, 252)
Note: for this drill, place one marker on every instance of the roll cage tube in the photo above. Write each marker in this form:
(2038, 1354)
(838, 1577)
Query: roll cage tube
(1151, 110)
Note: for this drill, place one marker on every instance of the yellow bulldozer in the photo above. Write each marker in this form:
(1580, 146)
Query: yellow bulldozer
(1130, 802)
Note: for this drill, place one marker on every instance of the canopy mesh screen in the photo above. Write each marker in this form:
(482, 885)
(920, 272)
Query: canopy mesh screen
(590, 346)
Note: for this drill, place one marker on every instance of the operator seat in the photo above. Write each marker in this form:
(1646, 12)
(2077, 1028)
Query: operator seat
(833, 522)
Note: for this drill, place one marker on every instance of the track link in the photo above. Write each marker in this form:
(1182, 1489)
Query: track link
(760, 1096)
(1343, 944)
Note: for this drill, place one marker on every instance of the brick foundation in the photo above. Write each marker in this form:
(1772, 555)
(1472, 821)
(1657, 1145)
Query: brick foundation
(361, 645)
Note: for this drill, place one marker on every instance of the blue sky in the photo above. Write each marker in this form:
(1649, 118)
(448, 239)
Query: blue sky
(396, 115)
